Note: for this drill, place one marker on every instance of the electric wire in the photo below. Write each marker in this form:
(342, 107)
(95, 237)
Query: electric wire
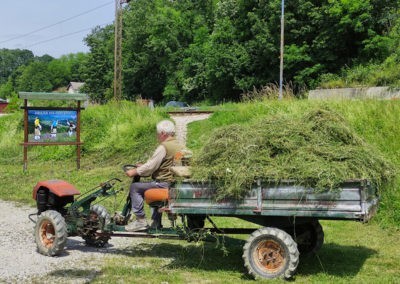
(60, 22)
(64, 35)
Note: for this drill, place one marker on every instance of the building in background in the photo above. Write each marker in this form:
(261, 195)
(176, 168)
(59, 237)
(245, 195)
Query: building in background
(3, 105)
(74, 87)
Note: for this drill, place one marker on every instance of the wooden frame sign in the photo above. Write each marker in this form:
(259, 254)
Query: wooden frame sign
(46, 126)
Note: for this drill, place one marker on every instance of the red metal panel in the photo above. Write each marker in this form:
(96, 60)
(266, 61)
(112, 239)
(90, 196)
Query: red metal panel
(60, 188)
(3, 106)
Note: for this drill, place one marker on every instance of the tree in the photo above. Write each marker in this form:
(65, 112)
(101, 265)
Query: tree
(34, 78)
(98, 68)
(11, 59)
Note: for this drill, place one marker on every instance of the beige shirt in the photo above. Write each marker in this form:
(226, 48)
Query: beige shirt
(148, 168)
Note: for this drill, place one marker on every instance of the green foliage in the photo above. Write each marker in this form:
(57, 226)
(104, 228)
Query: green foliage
(11, 134)
(119, 129)
(10, 60)
(218, 50)
(44, 74)
(13, 103)
(381, 55)
(35, 77)
(6, 89)
(185, 52)
(98, 68)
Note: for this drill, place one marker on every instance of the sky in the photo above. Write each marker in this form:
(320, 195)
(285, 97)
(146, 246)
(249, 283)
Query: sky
(53, 27)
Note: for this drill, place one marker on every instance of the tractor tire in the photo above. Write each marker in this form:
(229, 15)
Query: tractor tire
(270, 253)
(309, 237)
(99, 217)
(50, 233)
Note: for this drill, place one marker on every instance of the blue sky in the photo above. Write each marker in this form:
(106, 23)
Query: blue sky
(22, 17)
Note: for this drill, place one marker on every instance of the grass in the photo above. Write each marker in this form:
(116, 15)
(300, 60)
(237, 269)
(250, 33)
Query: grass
(368, 256)
(115, 135)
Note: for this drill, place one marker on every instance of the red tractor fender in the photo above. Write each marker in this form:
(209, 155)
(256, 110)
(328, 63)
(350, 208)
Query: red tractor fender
(60, 188)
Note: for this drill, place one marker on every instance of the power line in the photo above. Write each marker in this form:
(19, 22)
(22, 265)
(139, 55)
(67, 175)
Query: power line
(64, 35)
(60, 22)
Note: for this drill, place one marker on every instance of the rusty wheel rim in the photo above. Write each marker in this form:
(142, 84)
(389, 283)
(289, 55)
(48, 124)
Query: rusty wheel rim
(269, 256)
(47, 233)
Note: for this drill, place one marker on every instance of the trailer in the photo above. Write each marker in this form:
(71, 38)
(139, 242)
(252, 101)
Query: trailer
(287, 216)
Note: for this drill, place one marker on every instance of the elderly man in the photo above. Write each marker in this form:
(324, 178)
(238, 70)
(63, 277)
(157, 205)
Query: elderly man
(159, 168)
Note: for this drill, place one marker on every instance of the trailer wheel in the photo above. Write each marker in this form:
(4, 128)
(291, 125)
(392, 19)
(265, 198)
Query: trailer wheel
(309, 237)
(50, 233)
(97, 220)
(270, 253)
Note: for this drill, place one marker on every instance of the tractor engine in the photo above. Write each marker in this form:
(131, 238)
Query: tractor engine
(53, 195)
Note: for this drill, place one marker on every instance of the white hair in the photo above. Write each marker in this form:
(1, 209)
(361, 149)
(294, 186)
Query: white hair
(166, 126)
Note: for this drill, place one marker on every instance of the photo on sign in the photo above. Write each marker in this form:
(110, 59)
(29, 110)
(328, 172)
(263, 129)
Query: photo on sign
(46, 125)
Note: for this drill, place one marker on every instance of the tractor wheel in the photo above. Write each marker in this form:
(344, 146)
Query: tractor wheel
(270, 253)
(195, 222)
(98, 219)
(309, 237)
(50, 233)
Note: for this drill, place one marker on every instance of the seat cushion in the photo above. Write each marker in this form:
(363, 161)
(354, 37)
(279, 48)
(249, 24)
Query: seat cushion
(155, 194)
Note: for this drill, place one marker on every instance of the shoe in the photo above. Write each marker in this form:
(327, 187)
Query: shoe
(137, 225)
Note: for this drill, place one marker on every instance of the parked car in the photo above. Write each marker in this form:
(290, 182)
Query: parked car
(182, 105)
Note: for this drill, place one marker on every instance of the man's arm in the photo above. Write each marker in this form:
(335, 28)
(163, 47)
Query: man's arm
(151, 165)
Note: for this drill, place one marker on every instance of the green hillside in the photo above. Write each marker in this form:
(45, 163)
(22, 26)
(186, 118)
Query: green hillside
(117, 134)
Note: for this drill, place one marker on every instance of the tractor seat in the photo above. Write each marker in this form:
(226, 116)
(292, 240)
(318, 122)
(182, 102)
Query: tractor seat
(156, 197)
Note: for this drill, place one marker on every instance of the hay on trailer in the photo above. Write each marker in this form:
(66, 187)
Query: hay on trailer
(318, 150)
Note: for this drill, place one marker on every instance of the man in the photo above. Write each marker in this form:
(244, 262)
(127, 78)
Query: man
(38, 127)
(159, 168)
(53, 129)
(71, 128)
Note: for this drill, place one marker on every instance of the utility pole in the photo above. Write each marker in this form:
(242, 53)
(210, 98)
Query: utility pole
(282, 46)
(118, 49)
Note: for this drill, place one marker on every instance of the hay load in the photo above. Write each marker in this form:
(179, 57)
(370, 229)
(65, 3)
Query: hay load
(318, 150)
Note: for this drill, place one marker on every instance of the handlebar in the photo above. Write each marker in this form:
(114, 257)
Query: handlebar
(128, 167)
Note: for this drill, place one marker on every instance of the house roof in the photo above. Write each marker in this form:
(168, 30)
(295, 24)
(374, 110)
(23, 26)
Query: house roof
(75, 85)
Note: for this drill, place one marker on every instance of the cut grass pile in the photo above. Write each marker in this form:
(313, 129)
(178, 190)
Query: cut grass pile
(318, 150)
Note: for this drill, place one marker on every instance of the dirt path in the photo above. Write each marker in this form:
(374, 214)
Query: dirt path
(182, 120)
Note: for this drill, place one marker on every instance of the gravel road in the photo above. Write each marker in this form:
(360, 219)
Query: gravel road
(181, 122)
(21, 263)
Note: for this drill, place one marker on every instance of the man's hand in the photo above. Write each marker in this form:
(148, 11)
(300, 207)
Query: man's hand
(131, 173)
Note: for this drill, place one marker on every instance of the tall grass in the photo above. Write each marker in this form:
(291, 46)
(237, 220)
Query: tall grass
(382, 74)
(122, 129)
(116, 129)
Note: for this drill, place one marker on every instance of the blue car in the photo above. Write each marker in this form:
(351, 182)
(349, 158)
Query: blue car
(182, 105)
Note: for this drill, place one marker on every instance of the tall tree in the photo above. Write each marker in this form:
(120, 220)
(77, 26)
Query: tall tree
(11, 59)
(34, 78)
(98, 67)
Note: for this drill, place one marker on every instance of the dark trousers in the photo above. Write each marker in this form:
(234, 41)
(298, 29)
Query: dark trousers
(136, 193)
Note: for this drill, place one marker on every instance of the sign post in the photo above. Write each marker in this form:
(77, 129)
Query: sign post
(49, 126)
